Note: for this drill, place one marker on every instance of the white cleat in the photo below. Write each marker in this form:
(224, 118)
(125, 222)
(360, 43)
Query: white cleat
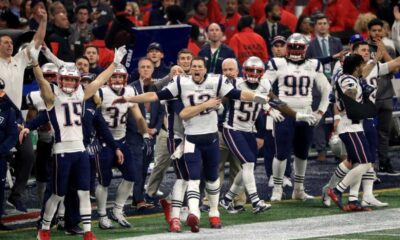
(276, 194)
(326, 200)
(261, 207)
(118, 216)
(287, 182)
(299, 194)
(371, 201)
(105, 223)
(271, 181)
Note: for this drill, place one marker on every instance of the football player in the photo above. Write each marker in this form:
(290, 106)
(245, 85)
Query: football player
(64, 108)
(116, 116)
(295, 76)
(239, 131)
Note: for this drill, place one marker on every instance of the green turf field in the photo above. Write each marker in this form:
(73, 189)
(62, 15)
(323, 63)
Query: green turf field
(151, 224)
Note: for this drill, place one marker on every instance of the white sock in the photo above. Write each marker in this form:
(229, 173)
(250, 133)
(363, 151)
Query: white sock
(278, 170)
(61, 209)
(368, 182)
(40, 189)
(178, 193)
(300, 166)
(249, 182)
(123, 191)
(49, 210)
(236, 188)
(338, 175)
(193, 197)
(353, 176)
(213, 190)
(354, 190)
(101, 198)
(85, 209)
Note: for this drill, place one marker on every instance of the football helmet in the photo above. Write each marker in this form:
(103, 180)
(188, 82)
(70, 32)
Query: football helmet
(117, 84)
(68, 72)
(253, 69)
(296, 47)
(50, 72)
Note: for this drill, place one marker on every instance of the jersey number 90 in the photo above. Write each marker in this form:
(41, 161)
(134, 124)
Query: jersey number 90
(297, 85)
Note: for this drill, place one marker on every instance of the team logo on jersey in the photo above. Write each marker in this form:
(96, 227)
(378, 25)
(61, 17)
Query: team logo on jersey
(209, 86)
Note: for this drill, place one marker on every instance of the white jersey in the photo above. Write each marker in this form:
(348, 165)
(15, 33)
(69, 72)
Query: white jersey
(242, 115)
(346, 82)
(192, 93)
(295, 82)
(34, 99)
(380, 69)
(65, 119)
(115, 115)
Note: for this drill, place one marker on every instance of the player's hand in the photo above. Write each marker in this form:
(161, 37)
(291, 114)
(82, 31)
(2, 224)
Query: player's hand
(42, 14)
(147, 146)
(119, 54)
(340, 54)
(33, 53)
(152, 131)
(213, 103)
(276, 115)
(260, 143)
(305, 117)
(176, 70)
(318, 116)
(120, 156)
(119, 100)
(23, 133)
(258, 98)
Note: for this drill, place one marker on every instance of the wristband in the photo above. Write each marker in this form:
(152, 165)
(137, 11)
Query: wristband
(337, 117)
(146, 135)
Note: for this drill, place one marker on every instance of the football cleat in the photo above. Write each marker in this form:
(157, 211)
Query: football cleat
(193, 222)
(60, 223)
(287, 182)
(276, 194)
(228, 206)
(355, 206)
(326, 200)
(261, 206)
(76, 230)
(301, 195)
(371, 201)
(43, 235)
(175, 225)
(166, 206)
(215, 222)
(105, 223)
(119, 217)
(240, 208)
(89, 236)
(336, 197)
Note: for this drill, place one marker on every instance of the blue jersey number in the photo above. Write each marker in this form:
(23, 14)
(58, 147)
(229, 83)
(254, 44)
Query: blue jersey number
(75, 116)
(250, 110)
(299, 86)
(113, 112)
(195, 100)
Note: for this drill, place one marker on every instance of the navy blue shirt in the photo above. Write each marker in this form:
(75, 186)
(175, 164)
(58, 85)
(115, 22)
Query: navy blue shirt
(214, 61)
(8, 126)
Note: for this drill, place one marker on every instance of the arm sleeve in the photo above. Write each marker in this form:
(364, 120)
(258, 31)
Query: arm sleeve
(102, 129)
(224, 86)
(325, 60)
(38, 121)
(325, 88)
(234, 94)
(162, 82)
(383, 69)
(164, 94)
(11, 134)
(52, 58)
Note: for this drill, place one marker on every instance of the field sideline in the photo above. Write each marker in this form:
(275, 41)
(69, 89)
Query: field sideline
(289, 211)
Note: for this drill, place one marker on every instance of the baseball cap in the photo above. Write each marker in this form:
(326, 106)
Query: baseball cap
(155, 46)
(356, 38)
(278, 39)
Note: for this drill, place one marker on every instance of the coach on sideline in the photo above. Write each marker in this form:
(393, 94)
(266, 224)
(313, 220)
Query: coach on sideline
(12, 72)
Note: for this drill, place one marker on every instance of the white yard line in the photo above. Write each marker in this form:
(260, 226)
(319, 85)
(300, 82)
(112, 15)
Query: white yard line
(321, 226)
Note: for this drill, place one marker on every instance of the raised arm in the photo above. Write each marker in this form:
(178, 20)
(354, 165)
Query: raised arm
(92, 88)
(38, 38)
(51, 57)
(45, 89)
